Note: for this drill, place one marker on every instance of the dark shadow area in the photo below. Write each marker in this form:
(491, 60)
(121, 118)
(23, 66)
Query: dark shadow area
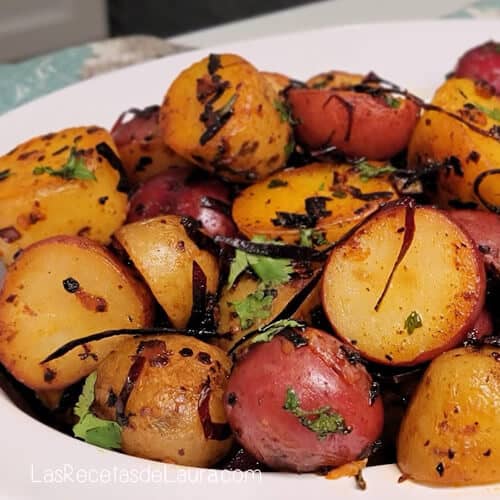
(166, 18)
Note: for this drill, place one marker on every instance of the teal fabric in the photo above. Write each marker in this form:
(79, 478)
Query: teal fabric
(22, 82)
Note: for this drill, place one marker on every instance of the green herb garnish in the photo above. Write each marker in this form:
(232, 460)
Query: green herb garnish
(392, 102)
(367, 171)
(256, 305)
(74, 168)
(493, 113)
(321, 187)
(413, 321)
(322, 421)
(285, 112)
(276, 183)
(289, 147)
(4, 174)
(270, 271)
(312, 237)
(94, 430)
(338, 193)
(270, 331)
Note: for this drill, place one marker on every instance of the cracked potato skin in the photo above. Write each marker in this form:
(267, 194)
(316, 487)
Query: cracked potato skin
(252, 141)
(163, 417)
(449, 435)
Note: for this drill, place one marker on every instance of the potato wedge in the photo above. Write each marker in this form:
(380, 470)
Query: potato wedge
(61, 289)
(221, 114)
(434, 298)
(230, 329)
(449, 435)
(472, 156)
(140, 145)
(34, 207)
(164, 254)
(255, 209)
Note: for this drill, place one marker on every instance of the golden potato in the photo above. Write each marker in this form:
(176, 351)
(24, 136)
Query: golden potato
(61, 289)
(449, 435)
(221, 114)
(278, 81)
(472, 154)
(46, 176)
(345, 191)
(334, 79)
(165, 255)
(173, 411)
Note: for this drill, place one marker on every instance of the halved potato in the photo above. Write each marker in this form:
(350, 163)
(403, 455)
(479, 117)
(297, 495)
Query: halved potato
(61, 289)
(164, 254)
(449, 435)
(433, 300)
(347, 197)
(34, 207)
(472, 154)
(231, 331)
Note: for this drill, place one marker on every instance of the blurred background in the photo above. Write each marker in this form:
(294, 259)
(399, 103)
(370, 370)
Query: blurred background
(32, 27)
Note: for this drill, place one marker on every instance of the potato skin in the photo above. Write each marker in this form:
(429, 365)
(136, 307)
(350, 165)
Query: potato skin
(256, 206)
(441, 277)
(449, 435)
(164, 254)
(164, 413)
(252, 142)
(439, 137)
(140, 145)
(321, 375)
(38, 314)
(358, 124)
(33, 204)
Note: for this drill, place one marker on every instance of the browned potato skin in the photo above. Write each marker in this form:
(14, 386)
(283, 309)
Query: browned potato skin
(451, 424)
(439, 136)
(141, 148)
(164, 254)
(40, 206)
(38, 315)
(164, 422)
(250, 145)
(229, 327)
(278, 81)
(256, 206)
(334, 79)
(441, 277)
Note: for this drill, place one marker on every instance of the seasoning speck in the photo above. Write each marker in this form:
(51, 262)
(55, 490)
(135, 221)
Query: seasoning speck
(71, 285)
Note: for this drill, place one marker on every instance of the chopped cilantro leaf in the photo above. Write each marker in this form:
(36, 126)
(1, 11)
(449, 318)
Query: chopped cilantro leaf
(238, 265)
(367, 171)
(289, 147)
(94, 430)
(392, 102)
(312, 237)
(493, 113)
(284, 111)
(74, 168)
(276, 183)
(321, 421)
(413, 321)
(256, 305)
(268, 332)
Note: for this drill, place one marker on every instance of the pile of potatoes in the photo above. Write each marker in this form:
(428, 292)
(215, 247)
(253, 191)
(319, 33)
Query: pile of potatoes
(242, 266)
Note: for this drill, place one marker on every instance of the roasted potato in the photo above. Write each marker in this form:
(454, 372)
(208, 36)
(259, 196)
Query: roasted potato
(302, 406)
(358, 124)
(348, 198)
(45, 176)
(174, 410)
(334, 79)
(466, 145)
(202, 197)
(278, 81)
(222, 114)
(231, 329)
(61, 289)
(435, 296)
(449, 435)
(140, 145)
(164, 254)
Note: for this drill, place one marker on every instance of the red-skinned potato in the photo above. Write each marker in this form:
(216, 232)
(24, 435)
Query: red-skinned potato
(435, 296)
(481, 63)
(484, 227)
(275, 382)
(140, 145)
(357, 124)
(174, 193)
